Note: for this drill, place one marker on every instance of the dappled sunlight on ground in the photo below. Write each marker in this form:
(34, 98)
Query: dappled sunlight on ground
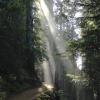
(77, 78)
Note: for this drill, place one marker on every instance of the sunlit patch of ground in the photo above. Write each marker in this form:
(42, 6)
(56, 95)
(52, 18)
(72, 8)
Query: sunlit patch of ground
(48, 86)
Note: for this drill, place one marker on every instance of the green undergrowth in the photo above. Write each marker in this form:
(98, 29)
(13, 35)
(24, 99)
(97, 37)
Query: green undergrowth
(2, 95)
(49, 94)
(78, 79)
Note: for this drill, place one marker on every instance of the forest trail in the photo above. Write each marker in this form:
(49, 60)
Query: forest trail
(27, 95)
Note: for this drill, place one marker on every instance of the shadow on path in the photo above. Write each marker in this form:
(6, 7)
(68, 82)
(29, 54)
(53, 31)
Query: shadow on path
(27, 95)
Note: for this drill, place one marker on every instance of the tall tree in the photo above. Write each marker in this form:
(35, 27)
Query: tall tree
(21, 45)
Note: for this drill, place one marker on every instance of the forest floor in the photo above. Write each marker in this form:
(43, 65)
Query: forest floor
(27, 95)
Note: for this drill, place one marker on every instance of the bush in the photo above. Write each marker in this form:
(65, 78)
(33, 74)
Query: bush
(2, 95)
(50, 95)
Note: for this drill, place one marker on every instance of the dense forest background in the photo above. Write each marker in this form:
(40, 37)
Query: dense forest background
(89, 44)
(20, 45)
(22, 48)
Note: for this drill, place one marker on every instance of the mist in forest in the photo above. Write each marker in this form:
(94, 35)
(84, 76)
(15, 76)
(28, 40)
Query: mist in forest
(59, 65)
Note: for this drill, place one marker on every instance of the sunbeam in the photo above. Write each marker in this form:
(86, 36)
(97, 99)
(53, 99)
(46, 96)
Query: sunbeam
(46, 12)
(79, 61)
(58, 64)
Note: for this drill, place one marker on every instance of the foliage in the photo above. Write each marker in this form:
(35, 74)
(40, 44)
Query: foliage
(89, 44)
(50, 95)
(2, 95)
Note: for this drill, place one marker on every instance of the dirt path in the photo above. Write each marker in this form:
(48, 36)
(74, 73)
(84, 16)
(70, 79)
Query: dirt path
(27, 95)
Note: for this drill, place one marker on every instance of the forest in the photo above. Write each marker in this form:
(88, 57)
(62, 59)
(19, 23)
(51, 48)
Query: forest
(49, 50)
